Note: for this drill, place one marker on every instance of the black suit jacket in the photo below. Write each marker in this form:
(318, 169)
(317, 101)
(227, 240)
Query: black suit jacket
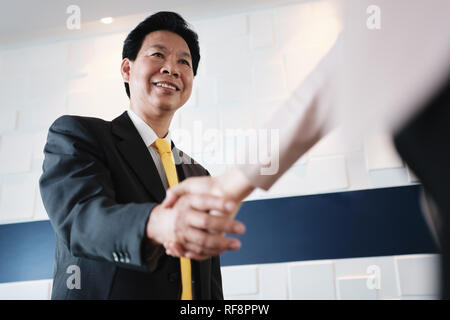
(99, 185)
(424, 144)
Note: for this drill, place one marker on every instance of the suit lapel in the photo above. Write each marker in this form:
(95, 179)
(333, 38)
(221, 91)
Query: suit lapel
(135, 152)
(180, 166)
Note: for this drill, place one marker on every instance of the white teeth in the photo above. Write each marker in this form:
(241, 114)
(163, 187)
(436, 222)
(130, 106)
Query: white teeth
(165, 85)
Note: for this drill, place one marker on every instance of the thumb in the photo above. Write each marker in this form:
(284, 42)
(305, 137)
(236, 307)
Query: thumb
(171, 198)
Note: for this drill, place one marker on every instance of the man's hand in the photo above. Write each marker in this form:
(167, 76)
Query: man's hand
(187, 223)
(232, 187)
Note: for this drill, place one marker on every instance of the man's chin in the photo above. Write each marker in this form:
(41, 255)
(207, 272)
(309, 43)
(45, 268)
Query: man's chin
(167, 107)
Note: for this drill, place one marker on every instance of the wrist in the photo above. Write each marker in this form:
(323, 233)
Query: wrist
(151, 228)
(235, 185)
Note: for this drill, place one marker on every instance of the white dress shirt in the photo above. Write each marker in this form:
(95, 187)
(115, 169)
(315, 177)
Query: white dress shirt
(149, 136)
(371, 79)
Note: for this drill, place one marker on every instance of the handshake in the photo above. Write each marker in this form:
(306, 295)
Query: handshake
(183, 223)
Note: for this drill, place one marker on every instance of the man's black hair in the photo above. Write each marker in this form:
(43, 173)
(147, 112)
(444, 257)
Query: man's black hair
(164, 20)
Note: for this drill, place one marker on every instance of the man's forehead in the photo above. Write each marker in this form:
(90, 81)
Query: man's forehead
(165, 41)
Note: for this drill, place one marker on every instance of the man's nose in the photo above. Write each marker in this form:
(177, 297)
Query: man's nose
(169, 69)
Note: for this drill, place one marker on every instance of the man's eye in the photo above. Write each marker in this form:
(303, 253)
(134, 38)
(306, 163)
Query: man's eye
(185, 62)
(157, 54)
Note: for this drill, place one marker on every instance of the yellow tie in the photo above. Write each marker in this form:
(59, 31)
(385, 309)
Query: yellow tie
(163, 148)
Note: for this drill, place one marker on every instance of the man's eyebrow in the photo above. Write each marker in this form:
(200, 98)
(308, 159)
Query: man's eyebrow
(161, 47)
(185, 54)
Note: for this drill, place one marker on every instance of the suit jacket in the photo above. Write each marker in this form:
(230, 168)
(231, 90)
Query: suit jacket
(424, 145)
(99, 185)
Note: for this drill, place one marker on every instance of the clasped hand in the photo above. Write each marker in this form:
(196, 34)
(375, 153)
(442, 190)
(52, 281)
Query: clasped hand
(184, 225)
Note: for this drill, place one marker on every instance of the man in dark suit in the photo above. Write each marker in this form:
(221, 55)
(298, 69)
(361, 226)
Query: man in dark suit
(424, 145)
(103, 182)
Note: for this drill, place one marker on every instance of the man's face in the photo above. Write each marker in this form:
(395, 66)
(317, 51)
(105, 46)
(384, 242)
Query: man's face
(161, 77)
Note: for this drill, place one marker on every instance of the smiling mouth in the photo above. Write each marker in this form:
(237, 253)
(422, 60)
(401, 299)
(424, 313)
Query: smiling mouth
(166, 85)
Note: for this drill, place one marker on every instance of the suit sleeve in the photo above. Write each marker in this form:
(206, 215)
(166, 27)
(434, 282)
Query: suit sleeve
(78, 194)
(293, 129)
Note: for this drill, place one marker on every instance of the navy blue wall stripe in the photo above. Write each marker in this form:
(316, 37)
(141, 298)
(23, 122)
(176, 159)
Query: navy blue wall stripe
(376, 222)
(26, 251)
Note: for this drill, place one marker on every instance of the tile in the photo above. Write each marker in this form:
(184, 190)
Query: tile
(316, 24)
(269, 80)
(419, 275)
(110, 99)
(16, 153)
(231, 89)
(26, 290)
(80, 104)
(292, 183)
(388, 177)
(261, 29)
(228, 26)
(311, 280)
(336, 143)
(384, 268)
(358, 176)
(17, 197)
(326, 174)
(355, 288)
(39, 141)
(8, 117)
(273, 281)
(380, 152)
(80, 58)
(240, 280)
(294, 17)
(212, 62)
(236, 116)
(82, 82)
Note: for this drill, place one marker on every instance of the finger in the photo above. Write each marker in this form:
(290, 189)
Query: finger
(205, 243)
(196, 185)
(176, 250)
(217, 224)
(195, 256)
(171, 199)
(199, 252)
(211, 203)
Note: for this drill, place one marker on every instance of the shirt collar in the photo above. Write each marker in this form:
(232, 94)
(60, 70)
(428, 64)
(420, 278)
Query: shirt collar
(145, 131)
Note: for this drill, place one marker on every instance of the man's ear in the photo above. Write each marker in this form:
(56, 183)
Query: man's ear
(125, 69)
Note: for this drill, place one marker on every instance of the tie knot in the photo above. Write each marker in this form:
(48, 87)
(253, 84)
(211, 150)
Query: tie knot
(162, 146)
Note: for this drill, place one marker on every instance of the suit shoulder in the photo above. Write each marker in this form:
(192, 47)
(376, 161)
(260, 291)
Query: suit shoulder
(69, 121)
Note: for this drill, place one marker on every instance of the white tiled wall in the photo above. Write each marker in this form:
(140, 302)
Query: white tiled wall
(376, 278)
(250, 64)
(405, 277)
